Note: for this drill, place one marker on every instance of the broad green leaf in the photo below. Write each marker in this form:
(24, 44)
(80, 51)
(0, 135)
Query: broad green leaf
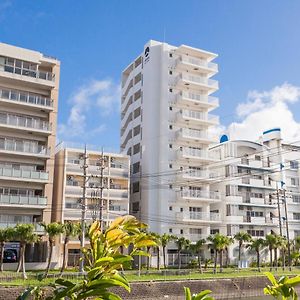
(271, 278)
(187, 292)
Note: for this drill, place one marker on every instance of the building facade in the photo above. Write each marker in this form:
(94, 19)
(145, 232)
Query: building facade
(69, 182)
(29, 83)
(165, 121)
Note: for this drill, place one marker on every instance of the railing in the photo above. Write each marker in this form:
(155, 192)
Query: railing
(25, 122)
(198, 115)
(24, 97)
(196, 153)
(199, 79)
(199, 62)
(200, 194)
(29, 73)
(199, 97)
(195, 173)
(194, 215)
(23, 200)
(186, 132)
(28, 174)
(23, 147)
(37, 227)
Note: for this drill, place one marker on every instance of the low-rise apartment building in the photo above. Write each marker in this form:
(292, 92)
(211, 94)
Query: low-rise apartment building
(69, 182)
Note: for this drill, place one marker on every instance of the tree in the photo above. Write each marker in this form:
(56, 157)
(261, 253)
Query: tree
(103, 261)
(229, 241)
(52, 230)
(5, 236)
(157, 239)
(24, 233)
(256, 245)
(218, 244)
(70, 229)
(270, 242)
(181, 243)
(165, 239)
(196, 248)
(242, 237)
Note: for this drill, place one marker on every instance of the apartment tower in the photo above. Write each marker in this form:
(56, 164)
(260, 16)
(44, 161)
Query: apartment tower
(165, 119)
(29, 84)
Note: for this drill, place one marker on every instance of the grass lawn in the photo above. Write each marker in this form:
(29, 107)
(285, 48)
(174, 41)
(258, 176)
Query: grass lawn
(154, 275)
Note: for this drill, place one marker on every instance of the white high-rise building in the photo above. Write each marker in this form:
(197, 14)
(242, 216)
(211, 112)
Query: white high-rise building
(165, 111)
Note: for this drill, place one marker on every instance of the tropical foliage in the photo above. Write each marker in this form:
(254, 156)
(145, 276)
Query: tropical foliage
(204, 295)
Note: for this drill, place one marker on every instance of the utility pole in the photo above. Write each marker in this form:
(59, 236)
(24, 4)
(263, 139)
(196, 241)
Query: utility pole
(287, 230)
(102, 167)
(83, 210)
(278, 207)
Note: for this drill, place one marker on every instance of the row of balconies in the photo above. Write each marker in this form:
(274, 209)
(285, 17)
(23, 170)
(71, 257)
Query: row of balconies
(24, 174)
(24, 123)
(23, 147)
(20, 200)
(26, 98)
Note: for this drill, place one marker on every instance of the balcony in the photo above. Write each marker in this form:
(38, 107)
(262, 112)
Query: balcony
(20, 147)
(24, 123)
(196, 82)
(199, 217)
(196, 117)
(195, 155)
(193, 135)
(257, 183)
(196, 63)
(37, 227)
(24, 175)
(25, 98)
(196, 100)
(21, 70)
(198, 195)
(22, 201)
(205, 175)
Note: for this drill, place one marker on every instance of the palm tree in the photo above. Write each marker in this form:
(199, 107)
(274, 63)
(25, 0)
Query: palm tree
(218, 244)
(256, 245)
(196, 248)
(157, 238)
(229, 241)
(242, 237)
(5, 236)
(297, 243)
(283, 244)
(24, 233)
(182, 243)
(165, 239)
(270, 242)
(70, 229)
(52, 230)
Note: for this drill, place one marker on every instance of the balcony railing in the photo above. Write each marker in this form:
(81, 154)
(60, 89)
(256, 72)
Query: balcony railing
(198, 115)
(27, 72)
(196, 173)
(203, 216)
(199, 98)
(198, 80)
(24, 147)
(198, 194)
(23, 200)
(24, 97)
(199, 62)
(24, 174)
(192, 133)
(196, 153)
(24, 122)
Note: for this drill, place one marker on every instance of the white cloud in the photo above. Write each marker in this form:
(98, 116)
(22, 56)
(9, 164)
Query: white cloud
(265, 110)
(92, 100)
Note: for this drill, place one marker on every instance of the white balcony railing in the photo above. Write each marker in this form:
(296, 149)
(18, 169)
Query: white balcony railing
(198, 115)
(23, 147)
(198, 194)
(199, 62)
(198, 97)
(199, 80)
(25, 97)
(195, 173)
(23, 200)
(24, 122)
(24, 174)
(192, 133)
(187, 152)
(201, 216)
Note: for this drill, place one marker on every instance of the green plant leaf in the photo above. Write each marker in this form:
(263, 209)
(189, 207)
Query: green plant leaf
(188, 295)
(271, 278)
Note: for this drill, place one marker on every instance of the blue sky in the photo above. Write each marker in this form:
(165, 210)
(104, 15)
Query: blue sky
(258, 43)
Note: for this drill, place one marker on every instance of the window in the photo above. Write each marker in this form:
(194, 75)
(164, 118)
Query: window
(181, 231)
(257, 157)
(181, 209)
(294, 181)
(137, 112)
(136, 130)
(296, 198)
(170, 208)
(195, 231)
(256, 232)
(170, 186)
(214, 231)
(171, 90)
(170, 166)
(170, 230)
(136, 187)
(170, 108)
(136, 148)
(294, 164)
(296, 216)
(170, 146)
(135, 168)
(170, 55)
(135, 206)
(170, 127)
(170, 72)
(129, 151)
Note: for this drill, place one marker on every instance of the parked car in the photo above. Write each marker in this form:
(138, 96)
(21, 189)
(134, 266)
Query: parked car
(10, 256)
